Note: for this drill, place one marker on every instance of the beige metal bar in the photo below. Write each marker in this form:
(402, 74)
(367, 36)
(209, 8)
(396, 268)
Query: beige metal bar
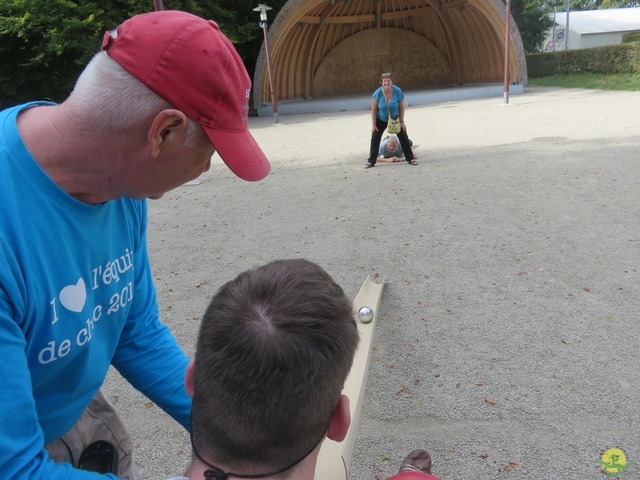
(334, 459)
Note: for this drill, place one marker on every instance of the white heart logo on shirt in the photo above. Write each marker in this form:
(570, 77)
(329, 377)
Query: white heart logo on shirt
(72, 297)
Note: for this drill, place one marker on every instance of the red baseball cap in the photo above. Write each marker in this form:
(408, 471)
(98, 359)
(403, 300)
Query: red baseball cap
(189, 63)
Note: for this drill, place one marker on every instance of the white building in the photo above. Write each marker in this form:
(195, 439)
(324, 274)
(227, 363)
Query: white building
(592, 28)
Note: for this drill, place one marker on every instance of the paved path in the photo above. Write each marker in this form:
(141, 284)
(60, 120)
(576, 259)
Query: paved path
(508, 339)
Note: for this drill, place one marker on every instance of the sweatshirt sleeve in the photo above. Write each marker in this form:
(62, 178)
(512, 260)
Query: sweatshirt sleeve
(147, 354)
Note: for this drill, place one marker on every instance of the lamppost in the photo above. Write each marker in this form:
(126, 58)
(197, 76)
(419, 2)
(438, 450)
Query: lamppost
(157, 5)
(507, 41)
(262, 8)
(566, 27)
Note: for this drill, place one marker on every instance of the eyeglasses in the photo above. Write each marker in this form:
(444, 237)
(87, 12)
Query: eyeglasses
(386, 75)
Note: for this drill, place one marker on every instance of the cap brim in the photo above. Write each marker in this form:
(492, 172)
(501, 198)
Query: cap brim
(241, 153)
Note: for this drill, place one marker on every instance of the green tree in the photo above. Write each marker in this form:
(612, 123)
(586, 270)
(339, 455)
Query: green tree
(242, 25)
(533, 17)
(44, 44)
(619, 3)
(580, 5)
(533, 22)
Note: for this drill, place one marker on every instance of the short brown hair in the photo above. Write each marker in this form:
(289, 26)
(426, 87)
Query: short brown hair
(274, 349)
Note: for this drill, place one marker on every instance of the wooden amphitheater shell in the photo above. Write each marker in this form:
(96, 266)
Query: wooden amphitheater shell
(327, 48)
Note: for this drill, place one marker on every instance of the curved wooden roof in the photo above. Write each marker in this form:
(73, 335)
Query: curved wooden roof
(321, 48)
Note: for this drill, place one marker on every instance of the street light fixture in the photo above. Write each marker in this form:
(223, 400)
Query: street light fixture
(262, 8)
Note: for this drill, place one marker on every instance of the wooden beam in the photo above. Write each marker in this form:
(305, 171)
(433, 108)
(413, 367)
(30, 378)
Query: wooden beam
(454, 4)
(338, 20)
(413, 12)
(351, 19)
(379, 16)
(310, 20)
(334, 459)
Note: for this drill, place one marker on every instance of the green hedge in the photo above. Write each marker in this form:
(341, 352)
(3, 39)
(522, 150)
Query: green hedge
(631, 37)
(619, 58)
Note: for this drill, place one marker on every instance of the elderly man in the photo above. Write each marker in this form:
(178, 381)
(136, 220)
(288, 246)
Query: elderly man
(390, 150)
(76, 291)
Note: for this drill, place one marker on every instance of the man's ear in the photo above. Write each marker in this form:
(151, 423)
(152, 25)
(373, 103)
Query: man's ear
(188, 377)
(340, 421)
(164, 130)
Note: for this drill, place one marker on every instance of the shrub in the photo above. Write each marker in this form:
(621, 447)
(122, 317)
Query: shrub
(619, 58)
(631, 37)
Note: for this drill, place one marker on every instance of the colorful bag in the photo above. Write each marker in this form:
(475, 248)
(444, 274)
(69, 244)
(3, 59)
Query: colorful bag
(393, 126)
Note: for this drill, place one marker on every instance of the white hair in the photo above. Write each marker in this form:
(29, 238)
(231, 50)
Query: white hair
(109, 99)
(393, 138)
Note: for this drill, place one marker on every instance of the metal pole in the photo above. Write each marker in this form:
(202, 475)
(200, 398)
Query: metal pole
(553, 37)
(507, 40)
(157, 5)
(274, 101)
(566, 27)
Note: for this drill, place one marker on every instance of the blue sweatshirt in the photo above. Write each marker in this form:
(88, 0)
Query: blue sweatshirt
(392, 107)
(76, 295)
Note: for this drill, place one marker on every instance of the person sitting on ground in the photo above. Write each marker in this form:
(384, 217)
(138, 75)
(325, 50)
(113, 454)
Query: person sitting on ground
(390, 150)
(273, 352)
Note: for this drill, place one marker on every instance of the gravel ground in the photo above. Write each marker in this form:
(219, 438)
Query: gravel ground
(508, 334)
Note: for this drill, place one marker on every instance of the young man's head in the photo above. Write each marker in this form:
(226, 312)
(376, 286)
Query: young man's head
(273, 352)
